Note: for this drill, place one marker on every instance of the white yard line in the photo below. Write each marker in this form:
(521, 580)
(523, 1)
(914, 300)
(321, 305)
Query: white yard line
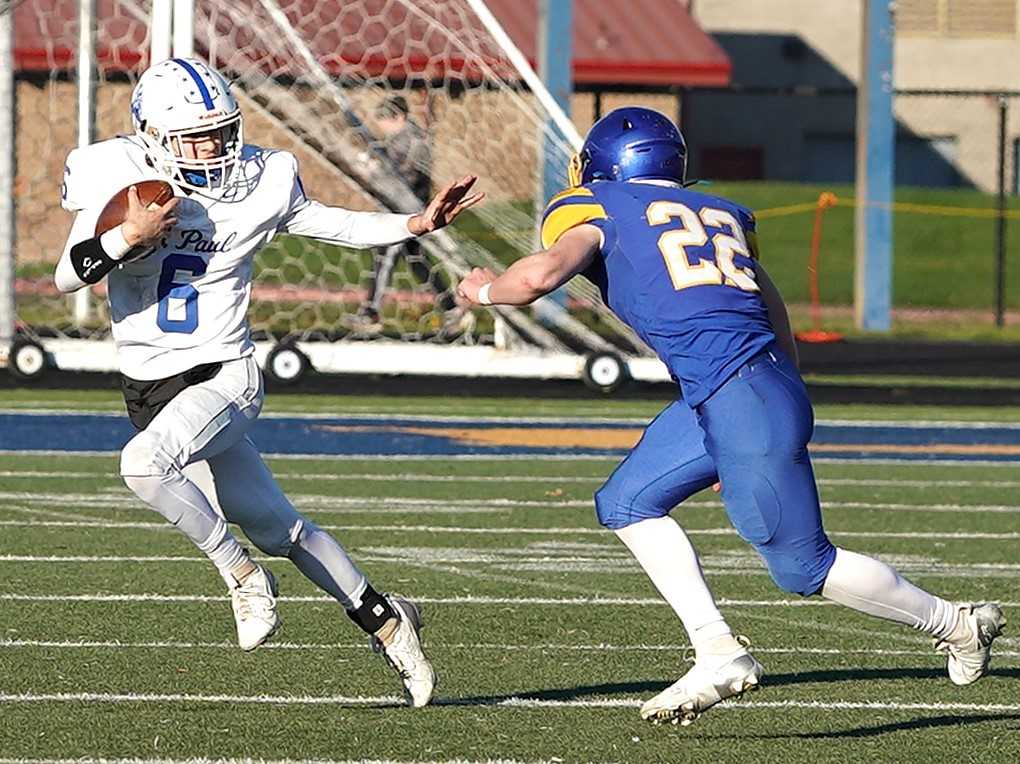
(389, 416)
(919, 424)
(361, 646)
(497, 702)
(464, 600)
(438, 529)
(426, 600)
(81, 524)
(418, 477)
(894, 483)
(89, 760)
(203, 760)
(520, 560)
(63, 514)
(550, 457)
(409, 477)
(326, 504)
(370, 457)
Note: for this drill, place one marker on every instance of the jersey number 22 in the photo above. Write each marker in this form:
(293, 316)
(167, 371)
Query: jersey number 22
(674, 242)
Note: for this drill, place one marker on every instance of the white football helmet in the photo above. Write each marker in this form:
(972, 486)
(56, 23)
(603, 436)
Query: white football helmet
(183, 97)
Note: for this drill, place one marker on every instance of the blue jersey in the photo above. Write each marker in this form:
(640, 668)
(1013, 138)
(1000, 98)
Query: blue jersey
(679, 268)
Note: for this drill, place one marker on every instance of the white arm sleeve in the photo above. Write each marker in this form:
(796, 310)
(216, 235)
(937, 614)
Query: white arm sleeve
(339, 226)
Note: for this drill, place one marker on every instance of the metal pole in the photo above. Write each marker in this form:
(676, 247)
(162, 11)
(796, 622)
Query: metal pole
(184, 28)
(555, 62)
(531, 79)
(86, 116)
(876, 141)
(160, 24)
(1000, 220)
(555, 58)
(7, 226)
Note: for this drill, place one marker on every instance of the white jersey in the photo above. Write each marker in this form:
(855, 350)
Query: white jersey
(186, 304)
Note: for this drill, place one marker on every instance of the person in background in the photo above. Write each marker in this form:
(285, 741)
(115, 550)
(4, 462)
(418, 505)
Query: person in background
(405, 145)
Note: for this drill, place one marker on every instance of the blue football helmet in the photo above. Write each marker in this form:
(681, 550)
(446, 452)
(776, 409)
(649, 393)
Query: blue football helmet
(631, 143)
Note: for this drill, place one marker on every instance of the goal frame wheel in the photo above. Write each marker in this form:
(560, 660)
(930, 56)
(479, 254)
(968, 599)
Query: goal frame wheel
(605, 372)
(286, 364)
(27, 360)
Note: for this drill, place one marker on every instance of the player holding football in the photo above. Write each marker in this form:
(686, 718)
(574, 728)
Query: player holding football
(682, 269)
(179, 281)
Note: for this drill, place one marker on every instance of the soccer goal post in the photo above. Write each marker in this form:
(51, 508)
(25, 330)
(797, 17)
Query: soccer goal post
(7, 306)
(318, 78)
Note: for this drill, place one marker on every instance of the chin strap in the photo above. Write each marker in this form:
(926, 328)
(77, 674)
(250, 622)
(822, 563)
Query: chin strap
(574, 170)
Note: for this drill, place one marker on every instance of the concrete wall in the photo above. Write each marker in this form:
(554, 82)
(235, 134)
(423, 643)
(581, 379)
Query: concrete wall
(833, 29)
(817, 43)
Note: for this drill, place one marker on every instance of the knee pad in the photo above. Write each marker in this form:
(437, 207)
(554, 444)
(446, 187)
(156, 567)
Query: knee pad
(143, 456)
(616, 507)
(797, 574)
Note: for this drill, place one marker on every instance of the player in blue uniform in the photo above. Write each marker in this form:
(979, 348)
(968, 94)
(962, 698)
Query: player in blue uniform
(681, 268)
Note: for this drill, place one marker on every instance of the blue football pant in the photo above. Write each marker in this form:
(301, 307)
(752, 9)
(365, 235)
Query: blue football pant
(752, 435)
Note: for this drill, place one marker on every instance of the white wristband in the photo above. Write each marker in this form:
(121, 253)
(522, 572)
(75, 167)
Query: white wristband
(483, 294)
(114, 244)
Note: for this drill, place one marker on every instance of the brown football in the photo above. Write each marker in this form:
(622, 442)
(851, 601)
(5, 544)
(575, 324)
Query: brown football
(150, 193)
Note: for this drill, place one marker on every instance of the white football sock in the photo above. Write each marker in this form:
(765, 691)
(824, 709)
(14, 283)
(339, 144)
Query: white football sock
(666, 554)
(870, 586)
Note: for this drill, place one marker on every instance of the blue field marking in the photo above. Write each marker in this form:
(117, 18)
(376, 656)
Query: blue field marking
(411, 436)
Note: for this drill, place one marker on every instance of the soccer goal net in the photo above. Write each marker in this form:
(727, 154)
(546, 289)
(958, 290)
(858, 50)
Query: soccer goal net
(383, 102)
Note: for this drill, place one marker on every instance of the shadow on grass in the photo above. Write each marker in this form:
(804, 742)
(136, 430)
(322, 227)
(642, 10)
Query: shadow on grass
(562, 694)
(933, 722)
(645, 689)
(863, 674)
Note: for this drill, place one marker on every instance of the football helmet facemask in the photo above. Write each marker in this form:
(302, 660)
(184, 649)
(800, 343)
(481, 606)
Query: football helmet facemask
(180, 99)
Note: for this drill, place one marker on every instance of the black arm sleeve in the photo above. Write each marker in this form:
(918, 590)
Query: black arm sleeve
(90, 262)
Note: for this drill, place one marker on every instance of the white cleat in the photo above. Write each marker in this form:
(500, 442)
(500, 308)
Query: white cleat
(701, 688)
(405, 654)
(968, 660)
(254, 604)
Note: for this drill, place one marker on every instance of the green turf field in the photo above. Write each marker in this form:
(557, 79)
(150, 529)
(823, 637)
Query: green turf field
(117, 641)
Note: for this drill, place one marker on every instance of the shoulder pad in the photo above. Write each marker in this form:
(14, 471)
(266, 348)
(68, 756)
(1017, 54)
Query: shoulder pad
(568, 209)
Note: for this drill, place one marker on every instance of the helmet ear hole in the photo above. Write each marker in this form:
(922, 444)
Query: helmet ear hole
(627, 124)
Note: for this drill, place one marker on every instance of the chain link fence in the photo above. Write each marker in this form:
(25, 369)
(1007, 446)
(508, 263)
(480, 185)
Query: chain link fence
(956, 268)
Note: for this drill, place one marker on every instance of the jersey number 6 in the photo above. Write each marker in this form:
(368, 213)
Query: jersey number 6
(673, 245)
(172, 289)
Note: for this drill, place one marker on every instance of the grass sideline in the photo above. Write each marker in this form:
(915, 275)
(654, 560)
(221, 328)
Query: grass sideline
(116, 641)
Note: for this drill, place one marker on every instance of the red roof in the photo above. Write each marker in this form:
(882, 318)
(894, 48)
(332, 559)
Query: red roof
(632, 42)
(641, 42)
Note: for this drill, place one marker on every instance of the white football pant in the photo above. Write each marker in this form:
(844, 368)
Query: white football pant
(196, 466)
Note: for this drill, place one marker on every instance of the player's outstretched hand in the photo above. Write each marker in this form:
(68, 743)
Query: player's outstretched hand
(143, 226)
(452, 200)
(467, 289)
